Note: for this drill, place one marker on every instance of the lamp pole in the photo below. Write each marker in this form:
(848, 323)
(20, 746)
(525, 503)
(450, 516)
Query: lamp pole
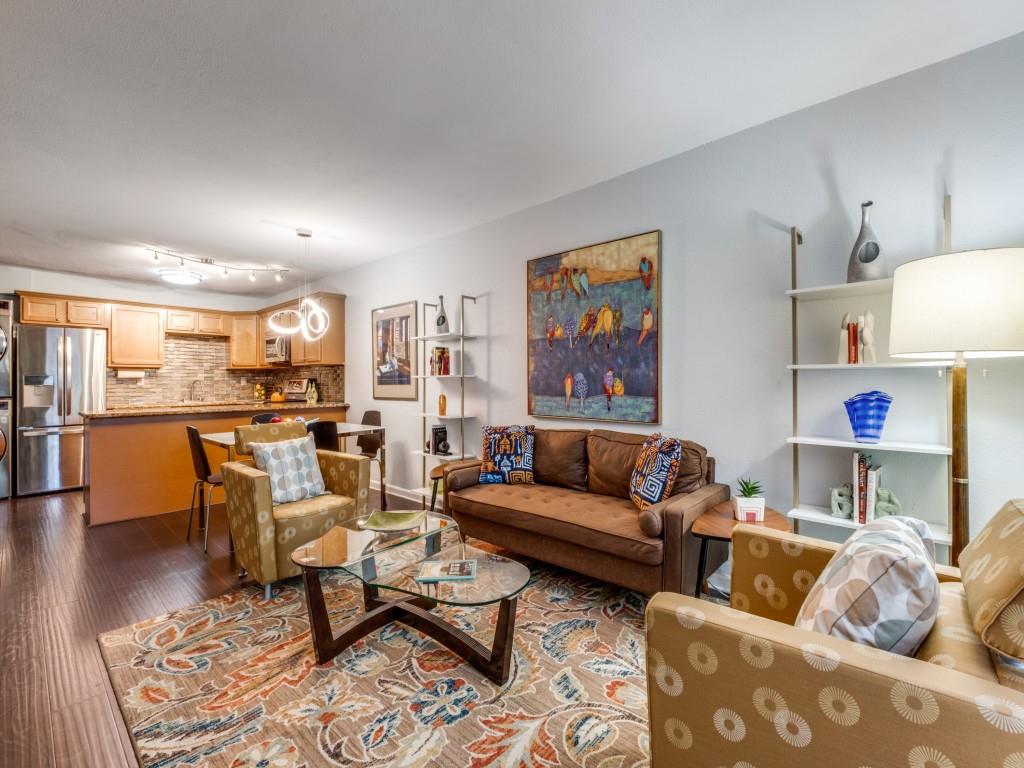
(960, 507)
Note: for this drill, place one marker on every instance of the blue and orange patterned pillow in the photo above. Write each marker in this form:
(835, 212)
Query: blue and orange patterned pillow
(655, 470)
(507, 455)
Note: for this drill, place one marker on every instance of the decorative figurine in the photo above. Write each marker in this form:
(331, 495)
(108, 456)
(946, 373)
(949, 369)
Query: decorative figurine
(442, 405)
(886, 504)
(866, 260)
(867, 338)
(842, 502)
(844, 340)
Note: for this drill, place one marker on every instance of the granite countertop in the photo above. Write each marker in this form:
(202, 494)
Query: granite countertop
(234, 406)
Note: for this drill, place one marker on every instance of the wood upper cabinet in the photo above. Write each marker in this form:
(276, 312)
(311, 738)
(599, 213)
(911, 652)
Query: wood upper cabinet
(50, 310)
(213, 324)
(181, 321)
(136, 336)
(245, 339)
(84, 312)
(330, 348)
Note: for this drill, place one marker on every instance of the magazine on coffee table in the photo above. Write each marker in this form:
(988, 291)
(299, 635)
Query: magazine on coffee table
(447, 570)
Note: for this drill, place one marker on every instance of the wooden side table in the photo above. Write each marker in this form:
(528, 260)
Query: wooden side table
(717, 524)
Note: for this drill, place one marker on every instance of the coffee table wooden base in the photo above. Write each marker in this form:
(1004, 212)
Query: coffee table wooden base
(414, 611)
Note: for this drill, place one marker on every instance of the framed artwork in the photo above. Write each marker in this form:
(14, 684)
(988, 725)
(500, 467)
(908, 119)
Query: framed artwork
(394, 352)
(593, 341)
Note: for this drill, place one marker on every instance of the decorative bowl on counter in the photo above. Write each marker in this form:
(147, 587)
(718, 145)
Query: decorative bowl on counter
(867, 412)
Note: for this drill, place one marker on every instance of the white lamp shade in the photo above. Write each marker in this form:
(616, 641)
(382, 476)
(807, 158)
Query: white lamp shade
(971, 302)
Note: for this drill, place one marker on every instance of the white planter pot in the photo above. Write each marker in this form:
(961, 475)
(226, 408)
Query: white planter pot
(749, 509)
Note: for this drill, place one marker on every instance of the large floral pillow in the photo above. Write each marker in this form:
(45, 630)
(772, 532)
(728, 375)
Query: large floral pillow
(293, 469)
(507, 455)
(655, 470)
(879, 589)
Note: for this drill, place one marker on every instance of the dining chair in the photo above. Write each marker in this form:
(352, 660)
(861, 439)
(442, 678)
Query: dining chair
(370, 447)
(264, 418)
(325, 434)
(204, 477)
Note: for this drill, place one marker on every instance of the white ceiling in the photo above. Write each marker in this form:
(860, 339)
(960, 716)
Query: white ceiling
(215, 128)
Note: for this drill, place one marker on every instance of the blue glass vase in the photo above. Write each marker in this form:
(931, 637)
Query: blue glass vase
(867, 412)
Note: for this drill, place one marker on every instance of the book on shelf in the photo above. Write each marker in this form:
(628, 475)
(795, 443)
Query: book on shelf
(866, 480)
(874, 478)
(446, 570)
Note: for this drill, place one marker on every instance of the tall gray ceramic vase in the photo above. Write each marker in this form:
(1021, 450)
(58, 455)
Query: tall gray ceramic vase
(866, 259)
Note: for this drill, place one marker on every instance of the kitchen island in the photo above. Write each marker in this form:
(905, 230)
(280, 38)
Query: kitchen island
(137, 460)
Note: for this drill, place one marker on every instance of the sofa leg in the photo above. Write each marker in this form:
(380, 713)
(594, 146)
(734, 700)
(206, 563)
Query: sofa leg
(268, 590)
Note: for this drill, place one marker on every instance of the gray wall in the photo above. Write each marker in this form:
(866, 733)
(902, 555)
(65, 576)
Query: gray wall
(724, 210)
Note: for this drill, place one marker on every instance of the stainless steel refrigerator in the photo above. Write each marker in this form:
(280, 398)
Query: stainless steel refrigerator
(61, 372)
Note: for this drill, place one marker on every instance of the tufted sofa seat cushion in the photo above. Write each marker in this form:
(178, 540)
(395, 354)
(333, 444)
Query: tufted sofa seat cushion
(603, 523)
(953, 643)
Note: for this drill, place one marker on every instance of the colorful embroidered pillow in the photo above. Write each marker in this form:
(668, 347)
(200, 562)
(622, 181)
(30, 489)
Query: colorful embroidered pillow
(655, 470)
(507, 455)
(293, 469)
(879, 589)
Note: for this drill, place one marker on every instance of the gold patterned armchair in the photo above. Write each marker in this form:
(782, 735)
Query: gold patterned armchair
(740, 686)
(265, 534)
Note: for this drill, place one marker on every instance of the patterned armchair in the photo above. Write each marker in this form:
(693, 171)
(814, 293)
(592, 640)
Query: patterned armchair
(740, 686)
(265, 534)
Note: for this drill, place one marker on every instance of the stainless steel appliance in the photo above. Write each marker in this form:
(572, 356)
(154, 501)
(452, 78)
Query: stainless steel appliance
(60, 372)
(277, 349)
(295, 389)
(6, 346)
(6, 447)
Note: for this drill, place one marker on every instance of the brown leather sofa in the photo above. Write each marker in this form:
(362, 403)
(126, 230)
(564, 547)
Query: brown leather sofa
(578, 513)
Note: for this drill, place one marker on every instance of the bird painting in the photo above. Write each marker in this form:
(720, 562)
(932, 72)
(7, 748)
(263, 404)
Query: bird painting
(570, 330)
(549, 328)
(585, 283)
(586, 323)
(608, 385)
(646, 272)
(549, 281)
(576, 286)
(567, 384)
(579, 388)
(646, 324)
(603, 325)
(617, 324)
(564, 278)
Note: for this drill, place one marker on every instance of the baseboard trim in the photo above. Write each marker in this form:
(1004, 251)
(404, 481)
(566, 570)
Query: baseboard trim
(396, 490)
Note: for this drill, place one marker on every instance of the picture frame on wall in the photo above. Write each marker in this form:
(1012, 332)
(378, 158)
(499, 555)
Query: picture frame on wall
(393, 345)
(593, 332)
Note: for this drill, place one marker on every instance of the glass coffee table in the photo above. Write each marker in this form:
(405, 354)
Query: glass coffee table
(391, 562)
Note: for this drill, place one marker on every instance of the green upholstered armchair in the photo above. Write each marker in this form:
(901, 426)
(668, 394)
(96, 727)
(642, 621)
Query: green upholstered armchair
(264, 533)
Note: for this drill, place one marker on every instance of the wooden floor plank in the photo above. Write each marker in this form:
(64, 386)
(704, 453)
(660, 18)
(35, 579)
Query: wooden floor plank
(25, 735)
(85, 733)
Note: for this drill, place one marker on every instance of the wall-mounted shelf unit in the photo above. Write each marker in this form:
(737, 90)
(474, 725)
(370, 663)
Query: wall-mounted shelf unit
(819, 386)
(456, 412)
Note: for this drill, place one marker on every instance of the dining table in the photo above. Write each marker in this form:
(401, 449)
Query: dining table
(226, 440)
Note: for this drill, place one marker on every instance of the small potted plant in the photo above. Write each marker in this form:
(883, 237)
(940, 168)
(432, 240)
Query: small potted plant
(748, 501)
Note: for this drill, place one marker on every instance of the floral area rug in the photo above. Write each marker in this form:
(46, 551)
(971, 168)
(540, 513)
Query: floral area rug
(233, 682)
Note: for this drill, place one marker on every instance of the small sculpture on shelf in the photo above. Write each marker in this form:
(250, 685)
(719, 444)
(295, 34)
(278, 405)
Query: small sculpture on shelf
(886, 504)
(442, 404)
(857, 340)
(866, 260)
(442, 318)
(867, 339)
(842, 502)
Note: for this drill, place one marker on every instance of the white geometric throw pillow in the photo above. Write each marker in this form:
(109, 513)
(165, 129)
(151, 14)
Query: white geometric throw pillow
(879, 589)
(293, 469)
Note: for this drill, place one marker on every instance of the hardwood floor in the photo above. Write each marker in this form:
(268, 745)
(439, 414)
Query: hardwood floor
(61, 584)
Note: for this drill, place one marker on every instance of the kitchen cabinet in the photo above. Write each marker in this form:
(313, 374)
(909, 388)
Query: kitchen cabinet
(212, 324)
(181, 321)
(86, 313)
(49, 310)
(330, 348)
(136, 336)
(245, 340)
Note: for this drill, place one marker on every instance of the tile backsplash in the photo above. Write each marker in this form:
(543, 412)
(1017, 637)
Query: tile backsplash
(189, 358)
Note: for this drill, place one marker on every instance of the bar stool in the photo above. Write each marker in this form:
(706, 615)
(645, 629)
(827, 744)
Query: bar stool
(264, 418)
(204, 477)
(370, 447)
(325, 434)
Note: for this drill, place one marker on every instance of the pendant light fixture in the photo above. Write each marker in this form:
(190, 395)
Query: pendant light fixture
(310, 319)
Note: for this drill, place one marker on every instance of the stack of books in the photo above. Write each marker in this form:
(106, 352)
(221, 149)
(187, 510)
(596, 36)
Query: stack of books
(866, 479)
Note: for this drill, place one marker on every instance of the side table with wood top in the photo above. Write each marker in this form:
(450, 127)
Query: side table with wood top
(717, 525)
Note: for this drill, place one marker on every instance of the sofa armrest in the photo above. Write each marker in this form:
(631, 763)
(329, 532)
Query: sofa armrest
(346, 475)
(677, 513)
(250, 513)
(781, 696)
(464, 476)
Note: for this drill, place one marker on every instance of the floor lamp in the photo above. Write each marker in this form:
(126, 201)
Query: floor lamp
(957, 306)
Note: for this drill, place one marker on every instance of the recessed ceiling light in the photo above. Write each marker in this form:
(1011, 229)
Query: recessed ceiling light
(252, 276)
(180, 276)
